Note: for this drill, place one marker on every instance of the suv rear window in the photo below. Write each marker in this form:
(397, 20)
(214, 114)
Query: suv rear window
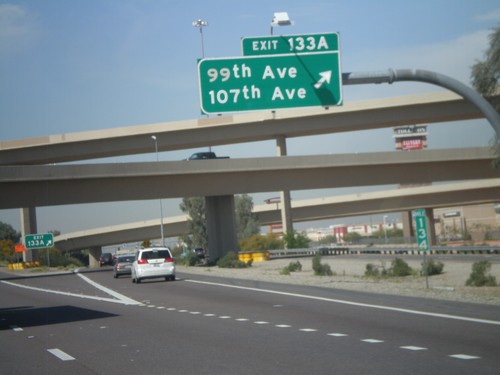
(156, 254)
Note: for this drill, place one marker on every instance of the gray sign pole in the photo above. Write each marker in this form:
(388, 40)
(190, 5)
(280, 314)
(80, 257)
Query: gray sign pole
(442, 80)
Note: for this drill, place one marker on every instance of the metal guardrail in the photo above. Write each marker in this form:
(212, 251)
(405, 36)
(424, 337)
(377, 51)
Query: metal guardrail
(284, 253)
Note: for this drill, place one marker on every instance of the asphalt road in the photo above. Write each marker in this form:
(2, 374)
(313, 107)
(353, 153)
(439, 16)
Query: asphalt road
(205, 325)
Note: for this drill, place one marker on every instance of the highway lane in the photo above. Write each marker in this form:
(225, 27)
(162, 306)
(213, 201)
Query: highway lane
(207, 325)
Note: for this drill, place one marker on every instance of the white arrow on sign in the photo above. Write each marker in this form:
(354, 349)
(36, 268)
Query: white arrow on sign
(325, 77)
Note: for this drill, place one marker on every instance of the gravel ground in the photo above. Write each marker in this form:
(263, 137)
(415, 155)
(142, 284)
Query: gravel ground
(349, 274)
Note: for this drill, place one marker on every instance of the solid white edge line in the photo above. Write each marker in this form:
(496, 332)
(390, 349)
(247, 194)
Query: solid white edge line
(60, 354)
(359, 304)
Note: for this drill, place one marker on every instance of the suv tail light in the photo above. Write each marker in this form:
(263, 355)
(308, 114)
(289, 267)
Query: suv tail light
(169, 260)
(142, 261)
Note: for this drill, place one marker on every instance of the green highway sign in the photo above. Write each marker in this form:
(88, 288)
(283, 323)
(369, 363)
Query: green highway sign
(37, 241)
(283, 44)
(269, 82)
(421, 224)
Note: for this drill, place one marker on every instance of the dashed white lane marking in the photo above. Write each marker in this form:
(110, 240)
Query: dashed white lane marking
(16, 328)
(372, 341)
(334, 334)
(60, 354)
(380, 307)
(413, 348)
(464, 356)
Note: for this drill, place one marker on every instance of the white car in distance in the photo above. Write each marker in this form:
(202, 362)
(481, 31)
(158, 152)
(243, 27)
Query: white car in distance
(154, 262)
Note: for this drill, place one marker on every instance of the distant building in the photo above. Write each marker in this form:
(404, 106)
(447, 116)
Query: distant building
(340, 231)
(451, 223)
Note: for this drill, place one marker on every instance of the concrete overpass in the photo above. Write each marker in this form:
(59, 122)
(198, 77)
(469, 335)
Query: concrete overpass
(473, 192)
(251, 127)
(50, 185)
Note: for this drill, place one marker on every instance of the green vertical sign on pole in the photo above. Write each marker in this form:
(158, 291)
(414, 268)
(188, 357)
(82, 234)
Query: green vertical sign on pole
(422, 238)
(421, 225)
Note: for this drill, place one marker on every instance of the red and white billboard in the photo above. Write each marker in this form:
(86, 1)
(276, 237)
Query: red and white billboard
(411, 144)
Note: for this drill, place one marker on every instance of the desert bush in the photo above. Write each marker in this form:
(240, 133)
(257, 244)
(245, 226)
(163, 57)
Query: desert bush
(399, 268)
(230, 260)
(295, 266)
(284, 271)
(292, 267)
(191, 259)
(432, 267)
(479, 276)
(321, 269)
(372, 270)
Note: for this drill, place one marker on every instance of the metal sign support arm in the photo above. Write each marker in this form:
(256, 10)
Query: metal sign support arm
(434, 78)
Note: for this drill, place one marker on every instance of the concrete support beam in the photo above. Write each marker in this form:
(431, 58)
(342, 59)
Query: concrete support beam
(28, 226)
(221, 226)
(407, 221)
(431, 226)
(286, 208)
(94, 254)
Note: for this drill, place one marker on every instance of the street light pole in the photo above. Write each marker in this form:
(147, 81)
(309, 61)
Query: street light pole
(201, 24)
(161, 208)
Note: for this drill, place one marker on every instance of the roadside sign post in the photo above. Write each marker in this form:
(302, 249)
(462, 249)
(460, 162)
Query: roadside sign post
(270, 82)
(40, 241)
(422, 238)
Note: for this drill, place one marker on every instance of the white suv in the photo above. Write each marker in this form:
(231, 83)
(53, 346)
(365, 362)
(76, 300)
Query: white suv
(153, 263)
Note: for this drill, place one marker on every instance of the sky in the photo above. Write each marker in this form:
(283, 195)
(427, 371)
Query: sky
(71, 66)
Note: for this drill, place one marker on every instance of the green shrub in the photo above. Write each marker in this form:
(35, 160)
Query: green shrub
(432, 268)
(319, 268)
(57, 259)
(230, 260)
(285, 271)
(372, 270)
(295, 266)
(292, 267)
(399, 268)
(478, 276)
(191, 259)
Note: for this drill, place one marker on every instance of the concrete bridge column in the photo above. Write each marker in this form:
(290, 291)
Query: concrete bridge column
(94, 255)
(221, 226)
(431, 226)
(286, 207)
(28, 226)
(408, 230)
